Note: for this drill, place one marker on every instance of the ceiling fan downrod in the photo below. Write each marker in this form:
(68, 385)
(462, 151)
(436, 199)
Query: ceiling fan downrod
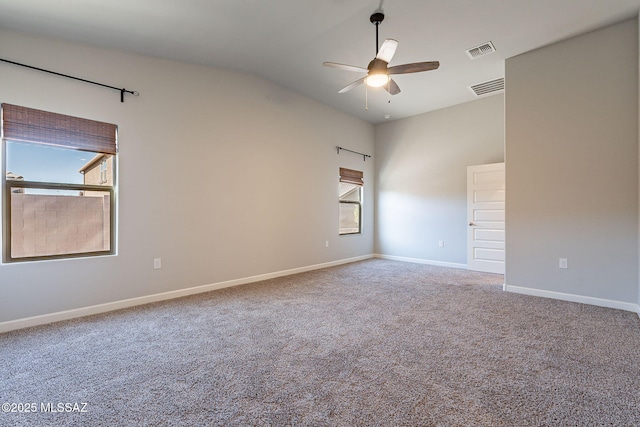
(376, 19)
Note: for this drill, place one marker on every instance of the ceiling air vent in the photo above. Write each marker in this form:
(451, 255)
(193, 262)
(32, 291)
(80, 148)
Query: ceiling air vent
(482, 50)
(488, 87)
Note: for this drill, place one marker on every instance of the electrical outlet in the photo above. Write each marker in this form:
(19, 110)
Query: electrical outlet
(441, 243)
(326, 244)
(157, 263)
(563, 263)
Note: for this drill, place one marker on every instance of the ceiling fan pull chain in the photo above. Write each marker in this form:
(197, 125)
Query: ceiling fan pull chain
(366, 98)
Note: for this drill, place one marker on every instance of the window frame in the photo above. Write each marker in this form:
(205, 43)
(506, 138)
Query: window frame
(345, 202)
(355, 178)
(6, 209)
(61, 130)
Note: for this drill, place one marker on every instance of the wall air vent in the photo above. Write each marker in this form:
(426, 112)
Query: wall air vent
(482, 50)
(488, 87)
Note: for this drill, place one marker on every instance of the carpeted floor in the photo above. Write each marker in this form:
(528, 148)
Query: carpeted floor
(373, 343)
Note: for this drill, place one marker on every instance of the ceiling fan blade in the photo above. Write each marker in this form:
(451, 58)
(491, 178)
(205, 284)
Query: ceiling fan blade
(387, 50)
(414, 67)
(392, 87)
(345, 67)
(352, 85)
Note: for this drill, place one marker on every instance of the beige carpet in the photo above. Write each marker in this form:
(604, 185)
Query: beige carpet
(374, 343)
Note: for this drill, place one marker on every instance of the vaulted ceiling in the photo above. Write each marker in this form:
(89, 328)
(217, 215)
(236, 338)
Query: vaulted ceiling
(286, 41)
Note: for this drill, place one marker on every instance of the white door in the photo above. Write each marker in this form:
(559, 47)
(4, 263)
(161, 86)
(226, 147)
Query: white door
(485, 216)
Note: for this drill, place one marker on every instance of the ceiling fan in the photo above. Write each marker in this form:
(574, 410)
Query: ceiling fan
(378, 72)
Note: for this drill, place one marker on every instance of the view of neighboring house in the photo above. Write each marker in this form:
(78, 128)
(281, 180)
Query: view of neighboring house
(98, 171)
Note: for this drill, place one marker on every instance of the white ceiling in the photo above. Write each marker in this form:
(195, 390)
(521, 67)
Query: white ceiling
(286, 41)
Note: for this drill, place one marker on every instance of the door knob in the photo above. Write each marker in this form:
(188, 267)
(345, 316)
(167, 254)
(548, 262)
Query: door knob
(471, 224)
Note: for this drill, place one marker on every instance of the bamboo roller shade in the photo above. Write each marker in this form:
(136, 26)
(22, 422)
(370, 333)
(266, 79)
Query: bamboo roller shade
(42, 127)
(351, 176)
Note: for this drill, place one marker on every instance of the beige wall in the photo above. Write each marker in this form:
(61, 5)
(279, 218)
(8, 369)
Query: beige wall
(221, 174)
(421, 180)
(572, 167)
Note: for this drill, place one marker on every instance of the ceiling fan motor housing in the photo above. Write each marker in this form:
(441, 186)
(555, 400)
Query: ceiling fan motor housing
(377, 65)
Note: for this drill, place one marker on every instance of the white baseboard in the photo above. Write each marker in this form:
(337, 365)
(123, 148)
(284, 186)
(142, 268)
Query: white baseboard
(117, 305)
(422, 261)
(601, 302)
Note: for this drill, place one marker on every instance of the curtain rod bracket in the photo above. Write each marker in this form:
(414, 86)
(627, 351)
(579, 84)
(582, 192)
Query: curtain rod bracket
(364, 156)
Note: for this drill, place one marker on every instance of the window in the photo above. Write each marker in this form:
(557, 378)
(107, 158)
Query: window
(103, 171)
(58, 185)
(350, 201)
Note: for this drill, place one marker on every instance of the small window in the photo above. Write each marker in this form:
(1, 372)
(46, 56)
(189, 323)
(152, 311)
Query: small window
(350, 201)
(58, 198)
(103, 171)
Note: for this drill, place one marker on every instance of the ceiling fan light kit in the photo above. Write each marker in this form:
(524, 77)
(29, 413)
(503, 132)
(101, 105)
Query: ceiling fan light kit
(377, 80)
(378, 71)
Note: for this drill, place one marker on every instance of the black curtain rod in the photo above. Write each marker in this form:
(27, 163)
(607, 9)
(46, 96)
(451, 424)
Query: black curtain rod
(364, 156)
(122, 90)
